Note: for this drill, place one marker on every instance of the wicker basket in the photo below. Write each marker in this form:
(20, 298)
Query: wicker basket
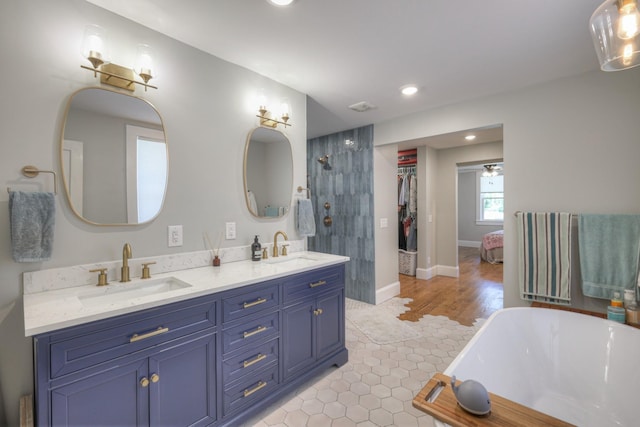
(407, 262)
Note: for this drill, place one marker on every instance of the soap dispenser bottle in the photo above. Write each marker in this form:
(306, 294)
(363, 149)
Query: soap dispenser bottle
(256, 253)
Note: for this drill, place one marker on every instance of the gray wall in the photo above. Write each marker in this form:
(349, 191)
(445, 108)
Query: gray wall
(385, 161)
(468, 230)
(207, 107)
(556, 135)
(348, 187)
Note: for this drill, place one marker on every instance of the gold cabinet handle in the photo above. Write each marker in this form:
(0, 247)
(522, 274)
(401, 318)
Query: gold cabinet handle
(260, 385)
(144, 382)
(253, 361)
(317, 312)
(160, 330)
(319, 283)
(254, 303)
(155, 378)
(247, 334)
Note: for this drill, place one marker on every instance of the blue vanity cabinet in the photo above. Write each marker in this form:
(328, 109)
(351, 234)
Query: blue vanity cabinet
(313, 325)
(152, 367)
(215, 360)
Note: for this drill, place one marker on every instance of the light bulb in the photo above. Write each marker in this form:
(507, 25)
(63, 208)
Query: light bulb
(627, 54)
(629, 20)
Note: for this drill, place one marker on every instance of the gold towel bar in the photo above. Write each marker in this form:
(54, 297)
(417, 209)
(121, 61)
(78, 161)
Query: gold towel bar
(301, 189)
(32, 171)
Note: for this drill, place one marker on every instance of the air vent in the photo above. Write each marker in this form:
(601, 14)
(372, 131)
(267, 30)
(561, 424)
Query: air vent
(361, 107)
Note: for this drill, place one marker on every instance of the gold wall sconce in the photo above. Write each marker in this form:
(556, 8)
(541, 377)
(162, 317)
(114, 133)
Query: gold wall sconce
(95, 51)
(268, 119)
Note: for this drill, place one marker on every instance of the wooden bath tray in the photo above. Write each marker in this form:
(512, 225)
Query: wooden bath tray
(503, 411)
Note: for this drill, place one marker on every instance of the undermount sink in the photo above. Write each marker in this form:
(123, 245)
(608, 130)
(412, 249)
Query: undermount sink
(135, 289)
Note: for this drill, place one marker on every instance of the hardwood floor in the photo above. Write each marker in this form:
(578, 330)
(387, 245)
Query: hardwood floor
(475, 294)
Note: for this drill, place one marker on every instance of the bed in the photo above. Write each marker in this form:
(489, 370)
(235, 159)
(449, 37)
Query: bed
(491, 248)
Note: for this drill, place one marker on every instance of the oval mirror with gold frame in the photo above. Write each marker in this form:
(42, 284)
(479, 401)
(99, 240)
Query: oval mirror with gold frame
(114, 158)
(268, 173)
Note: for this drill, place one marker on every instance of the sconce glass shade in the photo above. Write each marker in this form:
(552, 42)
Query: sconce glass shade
(144, 63)
(615, 29)
(94, 45)
(285, 109)
(261, 100)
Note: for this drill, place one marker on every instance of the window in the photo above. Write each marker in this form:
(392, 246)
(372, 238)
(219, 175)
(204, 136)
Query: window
(490, 199)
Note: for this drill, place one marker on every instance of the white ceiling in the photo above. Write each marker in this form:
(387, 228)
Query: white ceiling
(340, 52)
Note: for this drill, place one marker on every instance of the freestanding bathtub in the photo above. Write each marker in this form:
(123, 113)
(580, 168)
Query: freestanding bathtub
(581, 369)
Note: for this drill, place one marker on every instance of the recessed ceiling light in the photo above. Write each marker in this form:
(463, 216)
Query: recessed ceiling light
(409, 90)
(470, 137)
(281, 2)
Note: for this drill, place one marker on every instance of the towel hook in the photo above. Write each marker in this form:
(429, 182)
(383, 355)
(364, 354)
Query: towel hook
(31, 172)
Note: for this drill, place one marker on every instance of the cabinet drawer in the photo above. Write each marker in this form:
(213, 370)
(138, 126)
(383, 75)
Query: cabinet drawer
(250, 331)
(83, 346)
(253, 388)
(312, 283)
(250, 361)
(249, 302)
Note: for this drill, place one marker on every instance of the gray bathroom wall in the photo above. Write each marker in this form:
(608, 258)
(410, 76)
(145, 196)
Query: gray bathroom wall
(348, 187)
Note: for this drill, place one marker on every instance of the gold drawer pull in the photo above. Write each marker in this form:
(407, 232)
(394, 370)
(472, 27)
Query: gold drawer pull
(317, 312)
(319, 283)
(144, 382)
(136, 337)
(155, 378)
(260, 385)
(255, 331)
(256, 302)
(258, 358)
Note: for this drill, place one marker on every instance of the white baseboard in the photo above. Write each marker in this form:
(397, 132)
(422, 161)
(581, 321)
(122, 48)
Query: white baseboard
(387, 292)
(469, 243)
(445, 270)
(425, 273)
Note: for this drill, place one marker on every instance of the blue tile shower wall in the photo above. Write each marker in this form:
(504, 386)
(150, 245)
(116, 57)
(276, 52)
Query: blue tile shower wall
(348, 187)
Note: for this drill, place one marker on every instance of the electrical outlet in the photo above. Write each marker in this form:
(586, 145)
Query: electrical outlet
(230, 228)
(384, 222)
(174, 235)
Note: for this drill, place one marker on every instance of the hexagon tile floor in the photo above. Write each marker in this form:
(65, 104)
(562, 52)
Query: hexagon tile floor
(377, 385)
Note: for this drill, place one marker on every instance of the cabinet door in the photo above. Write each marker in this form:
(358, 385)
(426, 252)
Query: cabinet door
(330, 323)
(113, 397)
(298, 337)
(182, 391)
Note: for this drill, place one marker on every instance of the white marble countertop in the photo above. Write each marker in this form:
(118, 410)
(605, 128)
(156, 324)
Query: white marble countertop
(56, 309)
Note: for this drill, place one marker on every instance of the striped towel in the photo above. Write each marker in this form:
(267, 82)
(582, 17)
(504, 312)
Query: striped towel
(544, 256)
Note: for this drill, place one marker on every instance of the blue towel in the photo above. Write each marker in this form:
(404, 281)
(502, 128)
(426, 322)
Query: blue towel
(32, 217)
(609, 248)
(544, 256)
(306, 222)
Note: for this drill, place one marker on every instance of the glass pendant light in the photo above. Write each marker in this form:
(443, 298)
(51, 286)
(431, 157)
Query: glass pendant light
(615, 28)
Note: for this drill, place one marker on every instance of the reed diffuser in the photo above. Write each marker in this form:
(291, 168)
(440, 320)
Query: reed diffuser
(215, 251)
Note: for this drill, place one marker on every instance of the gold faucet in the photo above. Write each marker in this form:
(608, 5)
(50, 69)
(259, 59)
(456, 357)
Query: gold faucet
(126, 254)
(275, 242)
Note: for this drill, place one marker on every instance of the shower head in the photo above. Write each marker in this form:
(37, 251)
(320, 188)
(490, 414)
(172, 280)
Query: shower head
(324, 161)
